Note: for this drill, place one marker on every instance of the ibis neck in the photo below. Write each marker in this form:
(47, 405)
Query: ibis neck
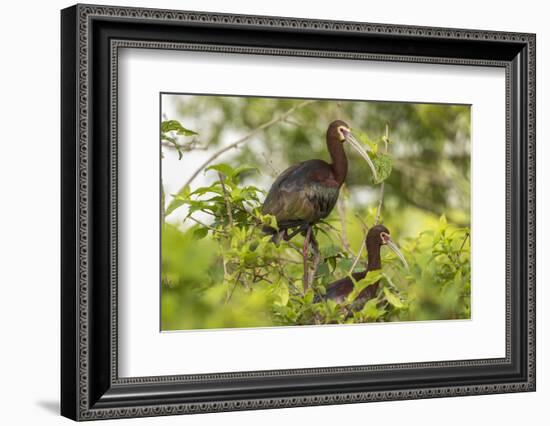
(374, 260)
(339, 160)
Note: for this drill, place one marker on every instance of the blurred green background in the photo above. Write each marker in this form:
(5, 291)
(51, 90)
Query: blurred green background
(219, 272)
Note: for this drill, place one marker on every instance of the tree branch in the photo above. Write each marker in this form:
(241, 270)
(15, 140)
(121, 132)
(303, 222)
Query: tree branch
(198, 222)
(356, 261)
(245, 138)
(386, 139)
(189, 146)
(226, 198)
(380, 204)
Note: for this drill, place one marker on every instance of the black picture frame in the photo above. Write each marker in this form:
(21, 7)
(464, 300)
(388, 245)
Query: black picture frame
(90, 386)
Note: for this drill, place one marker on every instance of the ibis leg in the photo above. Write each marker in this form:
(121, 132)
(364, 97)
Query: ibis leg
(316, 255)
(305, 255)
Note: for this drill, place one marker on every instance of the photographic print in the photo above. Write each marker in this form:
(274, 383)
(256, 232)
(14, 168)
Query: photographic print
(289, 212)
(376, 184)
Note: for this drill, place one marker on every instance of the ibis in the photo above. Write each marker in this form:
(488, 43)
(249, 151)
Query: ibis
(377, 237)
(306, 192)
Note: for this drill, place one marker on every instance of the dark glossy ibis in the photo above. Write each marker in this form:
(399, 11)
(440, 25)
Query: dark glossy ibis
(306, 192)
(377, 237)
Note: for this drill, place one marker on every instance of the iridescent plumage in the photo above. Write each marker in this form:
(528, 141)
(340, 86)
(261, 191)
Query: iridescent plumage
(303, 194)
(307, 192)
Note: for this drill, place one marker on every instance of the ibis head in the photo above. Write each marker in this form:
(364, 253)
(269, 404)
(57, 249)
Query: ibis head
(377, 237)
(339, 131)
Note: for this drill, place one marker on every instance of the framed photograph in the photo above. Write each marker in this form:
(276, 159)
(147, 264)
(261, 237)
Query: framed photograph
(263, 212)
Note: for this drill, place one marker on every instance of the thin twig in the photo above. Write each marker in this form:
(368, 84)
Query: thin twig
(381, 201)
(380, 204)
(464, 241)
(315, 263)
(462, 246)
(362, 223)
(189, 146)
(274, 173)
(262, 278)
(293, 122)
(226, 198)
(237, 278)
(282, 259)
(245, 138)
(345, 244)
(206, 226)
(310, 278)
(341, 207)
(356, 261)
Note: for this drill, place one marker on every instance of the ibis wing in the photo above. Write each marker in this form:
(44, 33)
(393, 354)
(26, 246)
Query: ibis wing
(290, 198)
(339, 290)
(291, 207)
(287, 200)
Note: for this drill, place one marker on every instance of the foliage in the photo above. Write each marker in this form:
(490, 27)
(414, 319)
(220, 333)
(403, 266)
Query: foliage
(220, 269)
(169, 132)
(430, 144)
(436, 285)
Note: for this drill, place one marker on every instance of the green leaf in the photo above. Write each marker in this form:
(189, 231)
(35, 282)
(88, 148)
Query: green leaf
(331, 305)
(178, 200)
(323, 269)
(267, 219)
(344, 265)
(283, 295)
(332, 262)
(224, 169)
(383, 164)
(440, 231)
(174, 125)
(231, 173)
(390, 282)
(371, 311)
(200, 233)
(371, 278)
(364, 138)
(174, 204)
(214, 188)
(393, 299)
(308, 297)
(245, 169)
(330, 251)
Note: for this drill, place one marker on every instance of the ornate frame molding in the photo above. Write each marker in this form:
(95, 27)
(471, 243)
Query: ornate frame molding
(87, 404)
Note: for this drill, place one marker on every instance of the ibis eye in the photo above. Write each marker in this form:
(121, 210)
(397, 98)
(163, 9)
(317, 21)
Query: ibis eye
(344, 133)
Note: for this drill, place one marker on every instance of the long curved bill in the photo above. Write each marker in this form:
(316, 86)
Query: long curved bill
(357, 146)
(393, 246)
